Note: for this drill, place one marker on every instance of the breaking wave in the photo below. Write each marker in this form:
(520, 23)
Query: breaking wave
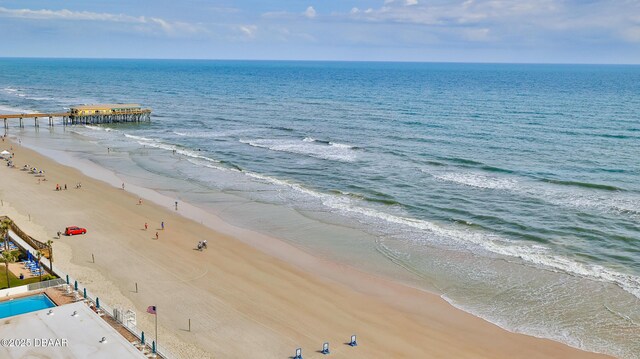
(308, 147)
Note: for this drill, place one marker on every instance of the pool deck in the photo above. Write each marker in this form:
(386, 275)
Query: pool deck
(18, 268)
(63, 335)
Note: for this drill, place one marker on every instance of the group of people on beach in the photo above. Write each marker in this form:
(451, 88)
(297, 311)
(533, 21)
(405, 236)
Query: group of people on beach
(201, 244)
(146, 226)
(61, 188)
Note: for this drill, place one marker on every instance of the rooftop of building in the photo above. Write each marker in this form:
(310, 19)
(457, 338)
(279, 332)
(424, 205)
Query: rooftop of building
(107, 106)
(63, 335)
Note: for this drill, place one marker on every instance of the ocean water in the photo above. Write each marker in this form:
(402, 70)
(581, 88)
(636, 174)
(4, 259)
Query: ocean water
(511, 190)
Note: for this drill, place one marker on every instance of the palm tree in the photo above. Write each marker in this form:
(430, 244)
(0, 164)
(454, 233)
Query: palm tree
(8, 257)
(39, 256)
(5, 224)
(50, 246)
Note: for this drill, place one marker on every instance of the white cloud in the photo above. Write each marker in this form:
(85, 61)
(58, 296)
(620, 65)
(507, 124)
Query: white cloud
(483, 20)
(470, 11)
(310, 12)
(151, 23)
(405, 2)
(632, 34)
(475, 34)
(248, 30)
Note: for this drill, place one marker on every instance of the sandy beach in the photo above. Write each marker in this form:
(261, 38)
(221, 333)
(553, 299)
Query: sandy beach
(247, 295)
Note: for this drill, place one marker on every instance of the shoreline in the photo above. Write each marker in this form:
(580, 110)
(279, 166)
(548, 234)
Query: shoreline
(351, 286)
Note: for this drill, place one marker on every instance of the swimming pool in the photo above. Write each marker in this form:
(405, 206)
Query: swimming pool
(25, 305)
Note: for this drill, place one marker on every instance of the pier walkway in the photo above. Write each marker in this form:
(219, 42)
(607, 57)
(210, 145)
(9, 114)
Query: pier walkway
(85, 115)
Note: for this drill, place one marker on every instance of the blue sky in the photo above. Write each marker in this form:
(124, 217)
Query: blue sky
(547, 31)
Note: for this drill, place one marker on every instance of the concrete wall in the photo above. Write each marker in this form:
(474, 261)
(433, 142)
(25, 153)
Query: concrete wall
(13, 291)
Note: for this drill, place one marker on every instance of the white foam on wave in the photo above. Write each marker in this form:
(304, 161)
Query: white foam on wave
(40, 98)
(157, 144)
(139, 138)
(476, 180)
(505, 321)
(21, 93)
(308, 147)
(207, 163)
(618, 202)
(429, 232)
(200, 134)
(98, 128)
(16, 110)
(17, 92)
(341, 145)
(334, 144)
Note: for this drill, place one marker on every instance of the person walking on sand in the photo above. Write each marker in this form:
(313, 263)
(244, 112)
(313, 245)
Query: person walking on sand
(156, 235)
(139, 201)
(146, 226)
(123, 185)
(176, 205)
(65, 186)
(162, 225)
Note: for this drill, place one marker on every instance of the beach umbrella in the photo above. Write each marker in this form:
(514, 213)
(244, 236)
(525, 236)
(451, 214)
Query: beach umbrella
(97, 302)
(142, 338)
(5, 152)
(75, 285)
(85, 293)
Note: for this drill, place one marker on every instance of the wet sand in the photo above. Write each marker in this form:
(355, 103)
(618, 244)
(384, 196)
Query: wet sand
(247, 295)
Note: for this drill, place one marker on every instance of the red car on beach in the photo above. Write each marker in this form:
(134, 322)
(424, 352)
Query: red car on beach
(70, 231)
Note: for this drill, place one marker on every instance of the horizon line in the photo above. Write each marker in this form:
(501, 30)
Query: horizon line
(319, 60)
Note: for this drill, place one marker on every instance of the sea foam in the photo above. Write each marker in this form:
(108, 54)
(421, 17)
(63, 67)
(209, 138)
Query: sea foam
(308, 147)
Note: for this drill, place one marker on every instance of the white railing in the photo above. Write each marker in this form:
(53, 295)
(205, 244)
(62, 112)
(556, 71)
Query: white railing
(45, 284)
(137, 332)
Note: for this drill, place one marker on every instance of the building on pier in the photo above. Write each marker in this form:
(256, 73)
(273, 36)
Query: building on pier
(87, 114)
(107, 113)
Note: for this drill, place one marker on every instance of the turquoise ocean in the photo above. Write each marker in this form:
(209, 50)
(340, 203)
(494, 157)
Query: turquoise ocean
(511, 190)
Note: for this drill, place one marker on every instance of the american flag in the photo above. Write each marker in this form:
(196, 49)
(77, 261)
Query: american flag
(151, 309)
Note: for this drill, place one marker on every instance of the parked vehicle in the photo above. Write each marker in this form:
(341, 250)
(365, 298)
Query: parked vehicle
(73, 230)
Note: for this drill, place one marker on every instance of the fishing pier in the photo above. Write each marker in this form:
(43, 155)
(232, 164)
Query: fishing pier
(86, 115)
